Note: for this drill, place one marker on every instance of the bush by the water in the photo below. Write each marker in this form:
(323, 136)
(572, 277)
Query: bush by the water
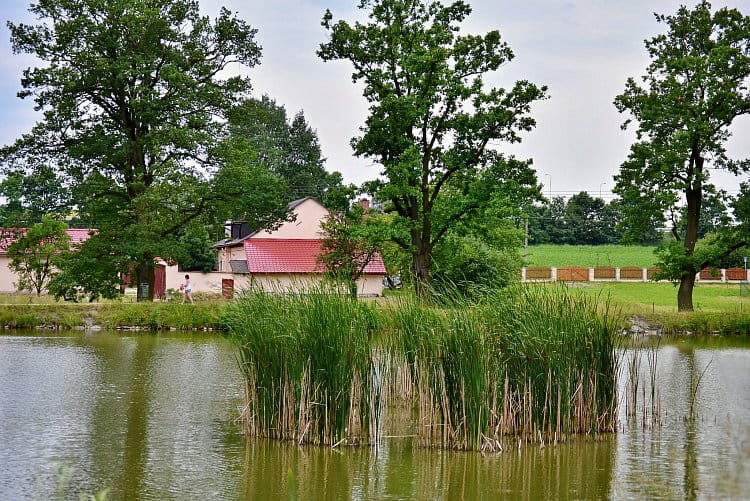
(473, 266)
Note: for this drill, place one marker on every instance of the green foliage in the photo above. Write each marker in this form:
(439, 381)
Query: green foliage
(307, 361)
(29, 196)
(695, 87)
(244, 190)
(160, 316)
(134, 106)
(473, 266)
(527, 363)
(34, 252)
(90, 271)
(351, 240)
(431, 118)
(288, 149)
(518, 363)
(584, 220)
(200, 255)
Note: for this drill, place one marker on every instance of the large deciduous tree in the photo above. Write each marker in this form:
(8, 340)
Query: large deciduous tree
(693, 90)
(432, 121)
(134, 96)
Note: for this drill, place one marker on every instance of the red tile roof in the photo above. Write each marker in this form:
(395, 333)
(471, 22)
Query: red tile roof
(287, 255)
(8, 236)
(78, 236)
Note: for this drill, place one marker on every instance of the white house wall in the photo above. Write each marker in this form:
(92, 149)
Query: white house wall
(370, 285)
(227, 254)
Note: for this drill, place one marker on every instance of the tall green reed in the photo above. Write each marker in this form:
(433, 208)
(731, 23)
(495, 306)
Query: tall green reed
(529, 362)
(532, 363)
(307, 363)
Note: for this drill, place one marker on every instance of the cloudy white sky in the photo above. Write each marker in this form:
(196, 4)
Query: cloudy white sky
(583, 50)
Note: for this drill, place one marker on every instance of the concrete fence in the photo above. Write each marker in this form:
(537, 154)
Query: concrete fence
(624, 274)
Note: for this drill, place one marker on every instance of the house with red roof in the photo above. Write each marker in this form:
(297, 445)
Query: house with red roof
(284, 259)
(8, 278)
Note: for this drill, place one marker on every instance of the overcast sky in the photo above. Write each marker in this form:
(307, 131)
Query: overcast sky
(583, 50)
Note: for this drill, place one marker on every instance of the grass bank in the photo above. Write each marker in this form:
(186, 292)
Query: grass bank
(591, 256)
(529, 363)
(112, 315)
(719, 308)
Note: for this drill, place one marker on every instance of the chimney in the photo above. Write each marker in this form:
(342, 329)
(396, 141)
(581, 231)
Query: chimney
(239, 229)
(365, 204)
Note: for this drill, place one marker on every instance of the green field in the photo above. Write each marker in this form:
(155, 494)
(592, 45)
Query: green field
(591, 256)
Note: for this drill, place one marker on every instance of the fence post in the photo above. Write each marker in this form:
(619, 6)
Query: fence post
(723, 275)
(645, 274)
(617, 274)
(553, 274)
(591, 274)
(523, 274)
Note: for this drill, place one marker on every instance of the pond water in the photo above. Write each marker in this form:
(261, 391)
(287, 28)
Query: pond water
(154, 417)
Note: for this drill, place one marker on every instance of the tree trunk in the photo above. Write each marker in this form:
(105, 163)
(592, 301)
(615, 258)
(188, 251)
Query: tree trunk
(693, 196)
(421, 262)
(145, 275)
(685, 293)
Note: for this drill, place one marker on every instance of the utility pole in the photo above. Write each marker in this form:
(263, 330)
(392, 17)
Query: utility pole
(526, 245)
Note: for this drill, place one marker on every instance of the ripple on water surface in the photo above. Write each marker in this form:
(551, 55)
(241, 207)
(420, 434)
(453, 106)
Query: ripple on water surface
(153, 417)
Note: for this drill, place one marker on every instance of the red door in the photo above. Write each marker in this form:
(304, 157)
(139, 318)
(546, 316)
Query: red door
(160, 282)
(227, 288)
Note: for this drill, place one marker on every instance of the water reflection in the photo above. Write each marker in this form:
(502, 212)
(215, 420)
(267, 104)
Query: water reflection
(401, 471)
(694, 454)
(147, 416)
(153, 417)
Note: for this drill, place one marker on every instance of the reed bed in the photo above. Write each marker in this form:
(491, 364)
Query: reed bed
(309, 367)
(525, 364)
(530, 363)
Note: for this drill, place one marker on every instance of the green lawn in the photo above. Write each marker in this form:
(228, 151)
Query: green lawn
(590, 256)
(662, 297)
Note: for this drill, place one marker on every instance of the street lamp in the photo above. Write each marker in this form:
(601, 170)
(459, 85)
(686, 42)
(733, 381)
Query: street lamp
(600, 189)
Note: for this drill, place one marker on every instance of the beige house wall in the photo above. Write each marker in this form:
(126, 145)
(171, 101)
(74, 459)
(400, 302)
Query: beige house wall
(205, 282)
(369, 285)
(308, 214)
(8, 278)
(227, 254)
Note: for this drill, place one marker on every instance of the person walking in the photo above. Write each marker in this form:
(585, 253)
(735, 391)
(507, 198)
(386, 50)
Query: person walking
(187, 289)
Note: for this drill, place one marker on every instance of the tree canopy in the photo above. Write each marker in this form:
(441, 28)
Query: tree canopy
(288, 148)
(585, 220)
(134, 102)
(433, 123)
(694, 88)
